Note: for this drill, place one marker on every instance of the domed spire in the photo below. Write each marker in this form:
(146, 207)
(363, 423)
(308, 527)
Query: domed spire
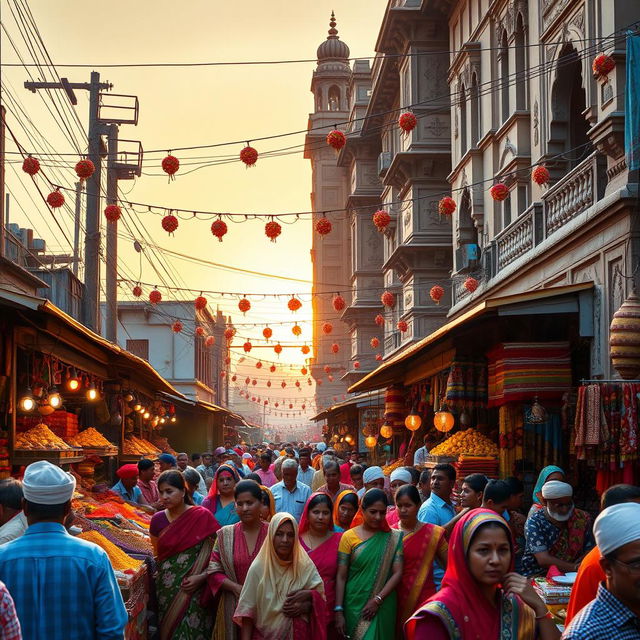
(333, 48)
(333, 32)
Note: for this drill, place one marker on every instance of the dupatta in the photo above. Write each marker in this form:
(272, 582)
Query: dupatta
(225, 515)
(542, 478)
(460, 605)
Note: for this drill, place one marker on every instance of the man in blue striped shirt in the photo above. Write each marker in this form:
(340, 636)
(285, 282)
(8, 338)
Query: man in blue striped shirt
(290, 494)
(64, 588)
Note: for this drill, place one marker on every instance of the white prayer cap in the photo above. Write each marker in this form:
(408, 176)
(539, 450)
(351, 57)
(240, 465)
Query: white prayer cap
(44, 483)
(555, 489)
(616, 526)
(372, 473)
(321, 446)
(401, 473)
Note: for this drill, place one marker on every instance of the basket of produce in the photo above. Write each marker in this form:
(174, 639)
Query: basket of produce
(469, 442)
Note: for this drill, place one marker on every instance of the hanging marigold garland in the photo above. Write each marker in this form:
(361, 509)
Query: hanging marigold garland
(323, 226)
(407, 122)
(200, 303)
(499, 191)
(375, 343)
(336, 139)
(402, 326)
(540, 175)
(176, 327)
(436, 293)
(112, 212)
(170, 165)
(219, 229)
(155, 296)
(379, 320)
(471, 284)
(339, 302)
(249, 156)
(85, 169)
(294, 304)
(244, 305)
(272, 230)
(170, 224)
(388, 299)
(327, 328)
(55, 199)
(446, 206)
(381, 220)
(31, 165)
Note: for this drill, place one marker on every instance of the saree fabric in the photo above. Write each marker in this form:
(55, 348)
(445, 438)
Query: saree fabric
(184, 548)
(370, 565)
(223, 515)
(460, 611)
(231, 560)
(269, 582)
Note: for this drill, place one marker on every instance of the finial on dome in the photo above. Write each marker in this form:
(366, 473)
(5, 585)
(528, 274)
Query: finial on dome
(333, 32)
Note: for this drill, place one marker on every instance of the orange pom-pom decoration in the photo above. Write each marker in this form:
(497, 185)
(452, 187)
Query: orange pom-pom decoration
(169, 223)
(170, 165)
(407, 122)
(379, 320)
(272, 230)
(304, 371)
(112, 212)
(200, 331)
(200, 303)
(85, 169)
(267, 333)
(176, 327)
(31, 165)
(219, 229)
(388, 299)
(247, 380)
(402, 326)
(305, 349)
(249, 156)
(336, 139)
(339, 302)
(471, 284)
(375, 343)
(381, 219)
(499, 192)
(436, 292)
(327, 328)
(229, 333)
(244, 305)
(356, 364)
(446, 206)
(296, 330)
(603, 64)
(323, 226)
(294, 304)
(55, 199)
(137, 291)
(540, 174)
(335, 347)
(378, 357)
(258, 365)
(278, 348)
(155, 296)
(272, 368)
(247, 346)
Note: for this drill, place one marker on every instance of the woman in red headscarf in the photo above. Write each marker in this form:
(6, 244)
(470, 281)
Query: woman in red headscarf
(220, 500)
(481, 598)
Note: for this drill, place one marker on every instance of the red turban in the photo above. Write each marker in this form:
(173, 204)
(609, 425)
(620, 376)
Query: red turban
(127, 471)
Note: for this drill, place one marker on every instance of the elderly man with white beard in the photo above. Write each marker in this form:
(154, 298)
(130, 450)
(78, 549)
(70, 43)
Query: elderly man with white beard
(559, 534)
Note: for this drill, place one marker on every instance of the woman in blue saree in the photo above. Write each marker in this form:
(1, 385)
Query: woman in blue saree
(221, 498)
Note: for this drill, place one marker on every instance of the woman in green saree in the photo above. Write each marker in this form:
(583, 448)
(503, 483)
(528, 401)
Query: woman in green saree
(369, 570)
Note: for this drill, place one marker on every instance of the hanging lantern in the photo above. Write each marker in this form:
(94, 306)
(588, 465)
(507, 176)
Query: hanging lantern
(209, 341)
(112, 212)
(335, 347)
(219, 229)
(272, 368)
(272, 230)
(356, 364)
(278, 348)
(304, 371)
(436, 292)
(402, 326)
(227, 360)
(624, 338)
(443, 420)
(327, 368)
(323, 226)
(268, 383)
(176, 327)
(338, 302)
(247, 380)
(169, 223)
(258, 365)
(249, 156)
(540, 174)
(244, 305)
(336, 139)
(267, 333)
(55, 199)
(170, 165)
(276, 405)
(223, 374)
(388, 299)
(290, 406)
(407, 122)
(413, 421)
(305, 349)
(247, 346)
(446, 206)
(298, 383)
(327, 328)
(381, 219)
(85, 169)
(379, 357)
(499, 192)
(254, 382)
(386, 430)
(602, 65)
(294, 304)
(31, 165)
(379, 320)
(155, 296)
(283, 384)
(200, 303)
(371, 441)
(375, 343)
(137, 291)
(471, 284)
(200, 331)
(296, 330)
(229, 333)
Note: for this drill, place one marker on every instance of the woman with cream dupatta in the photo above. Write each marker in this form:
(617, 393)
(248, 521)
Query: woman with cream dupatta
(283, 594)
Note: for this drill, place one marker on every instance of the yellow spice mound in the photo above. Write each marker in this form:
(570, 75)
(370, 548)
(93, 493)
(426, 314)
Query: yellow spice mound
(470, 441)
(120, 561)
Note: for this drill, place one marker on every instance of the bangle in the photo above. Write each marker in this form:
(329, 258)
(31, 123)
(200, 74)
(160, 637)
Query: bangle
(545, 615)
(378, 599)
(338, 608)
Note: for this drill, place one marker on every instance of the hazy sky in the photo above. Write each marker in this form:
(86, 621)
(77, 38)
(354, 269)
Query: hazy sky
(194, 106)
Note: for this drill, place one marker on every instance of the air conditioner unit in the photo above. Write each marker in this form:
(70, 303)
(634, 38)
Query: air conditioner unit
(384, 162)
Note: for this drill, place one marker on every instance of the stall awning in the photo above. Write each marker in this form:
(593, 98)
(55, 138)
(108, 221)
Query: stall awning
(397, 368)
(360, 400)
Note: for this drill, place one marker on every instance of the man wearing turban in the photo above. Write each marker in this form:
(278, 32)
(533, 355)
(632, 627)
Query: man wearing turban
(558, 534)
(127, 487)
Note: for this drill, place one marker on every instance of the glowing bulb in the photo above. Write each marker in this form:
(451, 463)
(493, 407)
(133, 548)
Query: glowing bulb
(443, 420)
(386, 431)
(92, 393)
(27, 403)
(146, 415)
(137, 406)
(162, 420)
(413, 422)
(370, 441)
(54, 398)
(73, 384)
(173, 419)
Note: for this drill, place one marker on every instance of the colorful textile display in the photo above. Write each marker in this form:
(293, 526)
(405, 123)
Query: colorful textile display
(467, 383)
(518, 371)
(543, 441)
(511, 438)
(394, 406)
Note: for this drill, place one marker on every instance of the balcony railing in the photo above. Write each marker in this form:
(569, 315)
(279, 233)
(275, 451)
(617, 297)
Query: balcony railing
(519, 237)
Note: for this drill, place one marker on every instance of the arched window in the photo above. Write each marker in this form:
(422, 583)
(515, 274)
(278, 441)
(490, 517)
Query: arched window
(503, 62)
(475, 111)
(521, 63)
(463, 120)
(334, 98)
(467, 233)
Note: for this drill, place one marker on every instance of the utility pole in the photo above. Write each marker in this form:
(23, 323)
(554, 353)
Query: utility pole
(76, 229)
(111, 328)
(3, 113)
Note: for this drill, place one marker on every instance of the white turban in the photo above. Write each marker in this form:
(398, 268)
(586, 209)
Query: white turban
(555, 489)
(44, 483)
(321, 446)
(617, 526)
(372, 473)
(401, 473)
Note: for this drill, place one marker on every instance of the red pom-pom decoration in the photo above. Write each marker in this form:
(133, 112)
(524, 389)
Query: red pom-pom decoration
(267, 333)
(436, 292)
(272, 230)
(378, 357)
(55, 199)
(258, 365)
(219, 229)
(471, 284)
(296, 330)
(379, 320)
(170, 165)
(339, 303)
(327, 328)
(499, 192)
(229, 333)
(446, 206)
(381, 219)
(356, 364)
(323, 226)
(540, 174)
(305, 349)
(278, 349)
(304, 371)
(249, 156)
(227, 360)
(603, 64)
(283, 384)
(402, 326)
(137, 291)
(112, 212)
(268, 383)
(31, 165)
(336, 139)
(244, 305)
(388, 299)
(327, 368)
(155, 296)
(407, 122)
(294, 304)
(200, 303)
(85, 169)
(335, 347)
(247, 346)
(200, 331)
(176, 327)
(375, 343)
(272, 368)
(170, 223)
(209, 341)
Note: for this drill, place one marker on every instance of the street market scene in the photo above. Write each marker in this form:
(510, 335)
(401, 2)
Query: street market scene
(320, 321)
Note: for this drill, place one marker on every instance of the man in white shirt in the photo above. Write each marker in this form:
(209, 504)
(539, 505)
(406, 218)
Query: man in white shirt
(420, 456)
(305, 471)
(13, 522)
(290, 495)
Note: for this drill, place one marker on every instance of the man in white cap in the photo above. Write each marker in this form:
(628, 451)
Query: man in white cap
(615, 612)
(558, 534)
(63, 587)
(373, 478)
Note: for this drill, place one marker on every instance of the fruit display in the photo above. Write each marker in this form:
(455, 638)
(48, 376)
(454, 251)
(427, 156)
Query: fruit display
(120, 561)
(41, 437)
(469, 442)
(390, 468)
(90, 438)
(133, 446)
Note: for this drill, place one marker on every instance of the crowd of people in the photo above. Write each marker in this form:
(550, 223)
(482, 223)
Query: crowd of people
(303, 542)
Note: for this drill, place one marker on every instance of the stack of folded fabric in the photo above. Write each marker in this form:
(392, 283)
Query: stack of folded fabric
(552, 593)
(466, 465)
